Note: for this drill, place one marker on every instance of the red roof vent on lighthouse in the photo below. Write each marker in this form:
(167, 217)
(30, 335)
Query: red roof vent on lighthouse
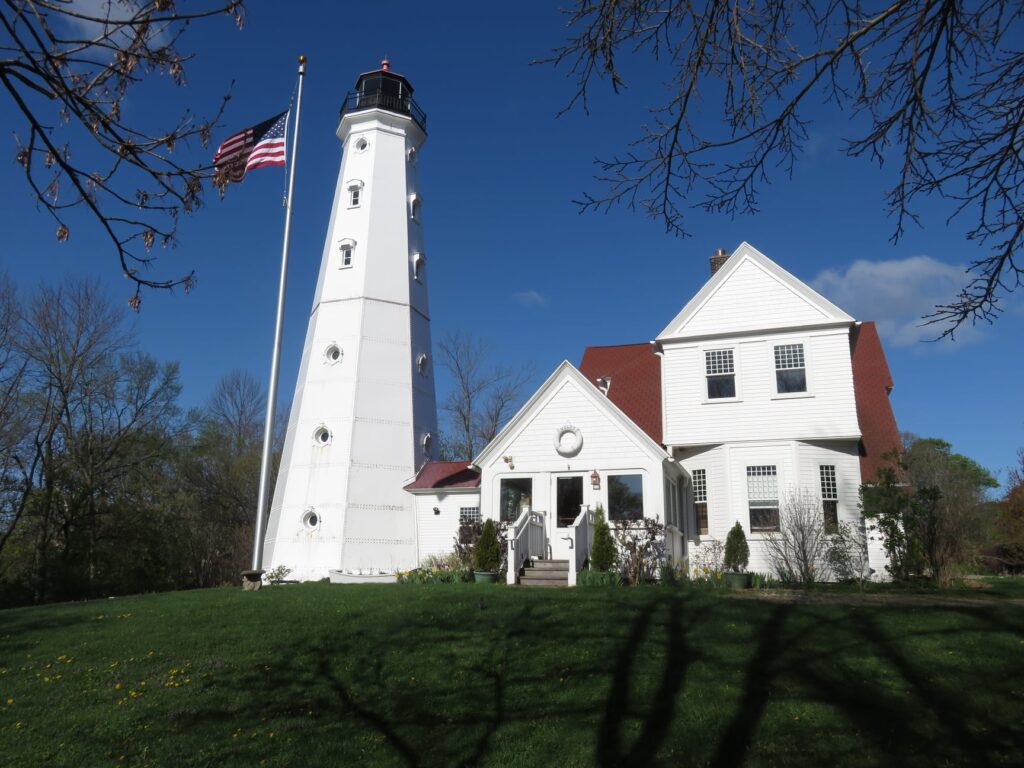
(385, 65)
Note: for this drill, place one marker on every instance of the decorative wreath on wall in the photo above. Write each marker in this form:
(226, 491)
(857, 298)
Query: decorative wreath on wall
(568, 440)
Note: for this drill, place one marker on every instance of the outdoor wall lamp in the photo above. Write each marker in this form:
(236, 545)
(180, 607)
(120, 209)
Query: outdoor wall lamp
(595, 480)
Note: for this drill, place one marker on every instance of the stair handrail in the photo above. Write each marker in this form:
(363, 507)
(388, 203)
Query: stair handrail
(582, 540)
(525, 539)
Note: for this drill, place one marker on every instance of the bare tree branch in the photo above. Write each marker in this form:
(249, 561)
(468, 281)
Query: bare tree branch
(68, 73)
(940, 84)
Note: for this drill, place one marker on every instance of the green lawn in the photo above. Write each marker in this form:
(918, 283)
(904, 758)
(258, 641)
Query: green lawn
(448, 675)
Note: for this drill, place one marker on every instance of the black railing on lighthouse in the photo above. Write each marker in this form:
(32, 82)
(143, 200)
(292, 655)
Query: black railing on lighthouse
(392, 102)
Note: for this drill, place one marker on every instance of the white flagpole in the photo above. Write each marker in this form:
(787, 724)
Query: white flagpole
(268, 428)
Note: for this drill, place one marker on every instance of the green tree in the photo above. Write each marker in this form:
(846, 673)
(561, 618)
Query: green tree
(737, 551)
(931, 508)
(487, 551)
(932, 87)
(602, 551)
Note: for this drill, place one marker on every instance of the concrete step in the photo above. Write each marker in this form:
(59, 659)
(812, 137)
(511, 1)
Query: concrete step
(547, 565)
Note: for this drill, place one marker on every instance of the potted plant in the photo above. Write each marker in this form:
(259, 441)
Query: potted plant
(737, 555)
(486, 553)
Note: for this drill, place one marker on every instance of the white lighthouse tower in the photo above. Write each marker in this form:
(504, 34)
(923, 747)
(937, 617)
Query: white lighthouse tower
(363, 418)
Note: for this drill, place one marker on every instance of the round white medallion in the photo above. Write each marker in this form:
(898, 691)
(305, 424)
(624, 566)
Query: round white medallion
(568, 440)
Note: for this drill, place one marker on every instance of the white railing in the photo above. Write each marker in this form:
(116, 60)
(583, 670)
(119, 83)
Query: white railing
(582, 540)
(526, 538)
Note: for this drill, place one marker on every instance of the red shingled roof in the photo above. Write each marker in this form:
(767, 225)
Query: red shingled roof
(635, 372)
(872, 382)
(445, 474)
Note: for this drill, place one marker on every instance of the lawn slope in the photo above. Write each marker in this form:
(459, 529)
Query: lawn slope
(315, 675)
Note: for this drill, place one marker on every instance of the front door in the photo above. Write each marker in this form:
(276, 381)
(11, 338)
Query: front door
(568, 499)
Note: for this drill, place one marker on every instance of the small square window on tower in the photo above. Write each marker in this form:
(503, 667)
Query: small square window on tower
(355, 193)
(347, 248)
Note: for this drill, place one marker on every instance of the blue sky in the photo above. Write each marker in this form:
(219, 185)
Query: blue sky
(511, 258)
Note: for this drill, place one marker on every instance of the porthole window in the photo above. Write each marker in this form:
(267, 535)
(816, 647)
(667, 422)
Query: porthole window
(361, 145)
(311, 520)
(421, 363)
(321, 435)
(333, 353)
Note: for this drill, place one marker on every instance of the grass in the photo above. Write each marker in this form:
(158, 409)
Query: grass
(309, 675)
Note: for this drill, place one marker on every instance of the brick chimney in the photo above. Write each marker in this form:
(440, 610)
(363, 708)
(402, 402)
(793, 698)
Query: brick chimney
(720, 257)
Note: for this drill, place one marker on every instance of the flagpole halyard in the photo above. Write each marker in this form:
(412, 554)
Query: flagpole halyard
(268, 429)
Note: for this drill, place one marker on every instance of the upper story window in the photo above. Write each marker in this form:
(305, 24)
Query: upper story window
(829, 497)
(700, 499)
(790, 370)
(721, 373)
(347, 247)
(419, 266)
(763, 498)
(415, 204)
(355, 193)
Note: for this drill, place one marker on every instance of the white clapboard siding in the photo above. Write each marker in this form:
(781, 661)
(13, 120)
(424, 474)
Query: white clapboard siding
(828, 410)
(437, 532)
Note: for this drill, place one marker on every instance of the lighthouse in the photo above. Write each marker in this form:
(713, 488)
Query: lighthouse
(363, 418)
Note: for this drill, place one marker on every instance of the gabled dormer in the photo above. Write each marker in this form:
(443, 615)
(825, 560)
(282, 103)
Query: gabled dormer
(750, 293)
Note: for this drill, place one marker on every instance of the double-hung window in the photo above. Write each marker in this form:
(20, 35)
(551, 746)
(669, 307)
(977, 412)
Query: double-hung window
(721, 373)
(829, 497)
(700, 499)
(763, 498)
(790, 370)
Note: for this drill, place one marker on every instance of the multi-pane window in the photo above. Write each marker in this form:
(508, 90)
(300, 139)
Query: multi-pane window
(790, 371)
(829, 497)
(763, 498)
(625, 497)
(469, 515)
(721, 373)
(353, 197)
(346, 255)
(700, 499)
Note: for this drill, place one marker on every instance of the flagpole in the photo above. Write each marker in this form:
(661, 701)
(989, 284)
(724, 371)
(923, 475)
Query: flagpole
(268, 428)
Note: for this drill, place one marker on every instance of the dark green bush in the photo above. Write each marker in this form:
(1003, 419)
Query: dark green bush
(737, 553)
(487, 550)
(602, 551)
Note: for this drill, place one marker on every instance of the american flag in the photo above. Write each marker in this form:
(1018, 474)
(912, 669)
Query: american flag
(254, 147)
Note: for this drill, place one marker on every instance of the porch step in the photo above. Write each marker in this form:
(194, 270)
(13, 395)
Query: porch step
(545, 573)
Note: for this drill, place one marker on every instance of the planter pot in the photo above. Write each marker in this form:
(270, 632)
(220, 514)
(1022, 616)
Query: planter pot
(484, 576)
(737, 580)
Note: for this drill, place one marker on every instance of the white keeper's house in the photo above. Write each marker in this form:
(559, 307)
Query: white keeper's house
(758, 389)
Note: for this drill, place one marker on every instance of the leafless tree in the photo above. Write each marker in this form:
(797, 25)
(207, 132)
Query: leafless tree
(798, 551)
(237, 406)
(938, 85)
(483, 396)
(68, 68)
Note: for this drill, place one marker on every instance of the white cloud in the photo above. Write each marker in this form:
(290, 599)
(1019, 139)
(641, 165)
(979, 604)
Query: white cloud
(530, 298)
(896, 295)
